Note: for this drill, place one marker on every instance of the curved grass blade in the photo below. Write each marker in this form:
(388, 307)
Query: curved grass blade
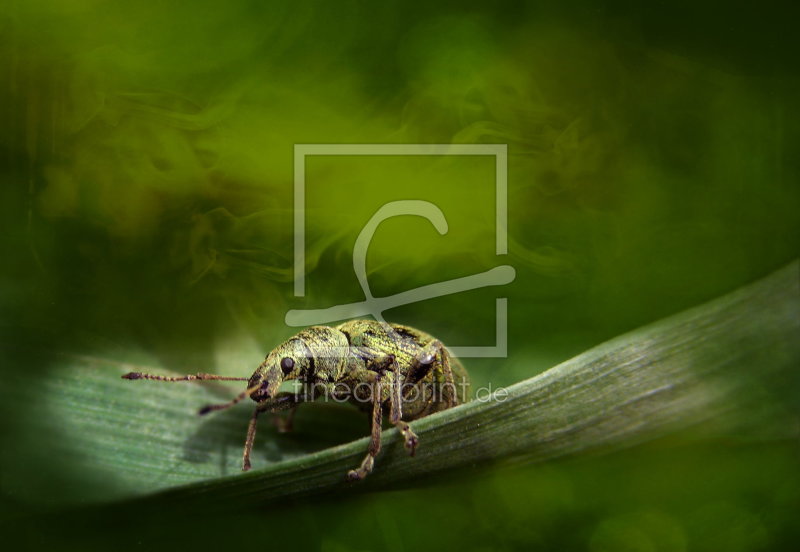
(721, 365)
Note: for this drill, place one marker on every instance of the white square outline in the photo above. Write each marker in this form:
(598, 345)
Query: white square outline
(498, 151)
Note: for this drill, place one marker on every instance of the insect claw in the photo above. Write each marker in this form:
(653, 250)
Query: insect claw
(132, 376)
(205, 410)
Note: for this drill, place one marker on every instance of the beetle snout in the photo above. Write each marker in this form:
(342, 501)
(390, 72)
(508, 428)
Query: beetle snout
(262, 393)
(265, 389)
(268, 382)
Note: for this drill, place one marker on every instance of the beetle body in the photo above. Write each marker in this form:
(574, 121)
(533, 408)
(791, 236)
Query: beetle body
(387, 370)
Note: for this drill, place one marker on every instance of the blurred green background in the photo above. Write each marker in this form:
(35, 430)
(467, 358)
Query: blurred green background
(147, 169)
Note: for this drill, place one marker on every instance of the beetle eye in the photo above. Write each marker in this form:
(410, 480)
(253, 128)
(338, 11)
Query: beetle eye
(286, 365)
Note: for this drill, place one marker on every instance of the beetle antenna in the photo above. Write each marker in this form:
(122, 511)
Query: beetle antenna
(189, 377)
(241, 396)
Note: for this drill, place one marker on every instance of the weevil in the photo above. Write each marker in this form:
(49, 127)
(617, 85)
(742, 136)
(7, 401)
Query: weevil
(387, 370)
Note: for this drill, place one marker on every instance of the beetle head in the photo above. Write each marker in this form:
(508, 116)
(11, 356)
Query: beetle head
(289, 361)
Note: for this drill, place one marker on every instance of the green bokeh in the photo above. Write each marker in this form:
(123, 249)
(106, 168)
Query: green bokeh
(147, 185)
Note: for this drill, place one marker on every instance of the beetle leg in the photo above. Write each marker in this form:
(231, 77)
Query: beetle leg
(410, 439)
(375, 443)
(433, 353)
(251, 437)
(281, 401)
(389, 362)
(285, 424)
(426, 359)
(421, 366)
(449, 391)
